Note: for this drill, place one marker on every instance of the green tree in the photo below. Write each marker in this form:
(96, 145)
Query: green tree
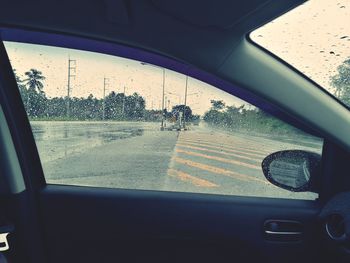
(217, 104)
(56, 107)
(181, 108)
(341, 82)
(247, 120)
(34, 80)
(36, 99)
(114, 106)
(134, 106)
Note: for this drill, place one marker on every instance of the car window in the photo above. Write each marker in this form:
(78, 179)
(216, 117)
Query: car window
(315, 39)
(107, 121)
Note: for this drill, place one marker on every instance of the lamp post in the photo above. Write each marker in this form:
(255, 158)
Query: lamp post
(163, 121)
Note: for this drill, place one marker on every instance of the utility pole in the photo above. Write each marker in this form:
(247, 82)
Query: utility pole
(71, 74)
(163, 119)
(185, 103)
(105, 84)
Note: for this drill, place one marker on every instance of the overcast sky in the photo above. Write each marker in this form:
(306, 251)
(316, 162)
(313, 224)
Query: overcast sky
(91, 68)
(315, 38)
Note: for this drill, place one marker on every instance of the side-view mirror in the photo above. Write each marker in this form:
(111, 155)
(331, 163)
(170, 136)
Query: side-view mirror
(294, 170)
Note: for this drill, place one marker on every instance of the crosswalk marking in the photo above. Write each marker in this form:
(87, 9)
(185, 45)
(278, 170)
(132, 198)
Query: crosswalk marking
(214, 169)
(189, 146)
(228, 140)
(220, 159)
(192, 179)
(241, 150)
(236, 143)
(219, 152)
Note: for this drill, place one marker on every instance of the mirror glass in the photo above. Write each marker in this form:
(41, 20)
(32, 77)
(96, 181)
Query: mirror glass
(293, 172)
(292, 169)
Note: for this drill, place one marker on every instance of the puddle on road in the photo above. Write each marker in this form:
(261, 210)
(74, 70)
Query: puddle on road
(120, 135)
(57, 140)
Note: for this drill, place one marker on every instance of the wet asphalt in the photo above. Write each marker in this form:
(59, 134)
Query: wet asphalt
(138, 155)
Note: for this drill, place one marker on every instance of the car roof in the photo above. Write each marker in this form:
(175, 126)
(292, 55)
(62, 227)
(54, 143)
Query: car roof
(181, 29)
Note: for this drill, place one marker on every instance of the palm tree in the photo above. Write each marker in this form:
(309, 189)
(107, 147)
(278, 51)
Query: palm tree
(35, 86)
(34, 80)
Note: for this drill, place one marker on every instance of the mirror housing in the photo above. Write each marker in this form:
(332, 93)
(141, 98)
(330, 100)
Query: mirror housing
(294, 170)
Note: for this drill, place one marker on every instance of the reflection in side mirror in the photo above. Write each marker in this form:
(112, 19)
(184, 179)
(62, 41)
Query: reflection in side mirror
(294, 170)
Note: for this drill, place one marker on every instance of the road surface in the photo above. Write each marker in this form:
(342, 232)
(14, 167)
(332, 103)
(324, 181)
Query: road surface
(137, 155)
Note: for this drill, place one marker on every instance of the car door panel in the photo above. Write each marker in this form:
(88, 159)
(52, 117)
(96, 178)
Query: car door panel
(108, 225)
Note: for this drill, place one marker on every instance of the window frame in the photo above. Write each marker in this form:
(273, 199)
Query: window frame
(114, 49)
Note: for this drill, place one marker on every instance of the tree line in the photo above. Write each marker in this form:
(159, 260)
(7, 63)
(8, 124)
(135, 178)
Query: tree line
(115, 106)
(118, 106)
(245, 119)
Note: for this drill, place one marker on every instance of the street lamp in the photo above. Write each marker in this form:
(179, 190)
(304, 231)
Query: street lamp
(146, 64)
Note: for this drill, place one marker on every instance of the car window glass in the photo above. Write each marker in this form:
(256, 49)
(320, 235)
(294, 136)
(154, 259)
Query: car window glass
(106, 121)
(315, 39)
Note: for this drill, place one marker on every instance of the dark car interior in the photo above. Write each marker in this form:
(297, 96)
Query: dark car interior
(57, 223)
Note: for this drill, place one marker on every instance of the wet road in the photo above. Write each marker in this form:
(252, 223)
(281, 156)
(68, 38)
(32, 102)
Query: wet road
(136, 155)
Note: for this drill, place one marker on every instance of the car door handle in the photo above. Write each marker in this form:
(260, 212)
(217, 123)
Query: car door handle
(281, 233)
(283, 230)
